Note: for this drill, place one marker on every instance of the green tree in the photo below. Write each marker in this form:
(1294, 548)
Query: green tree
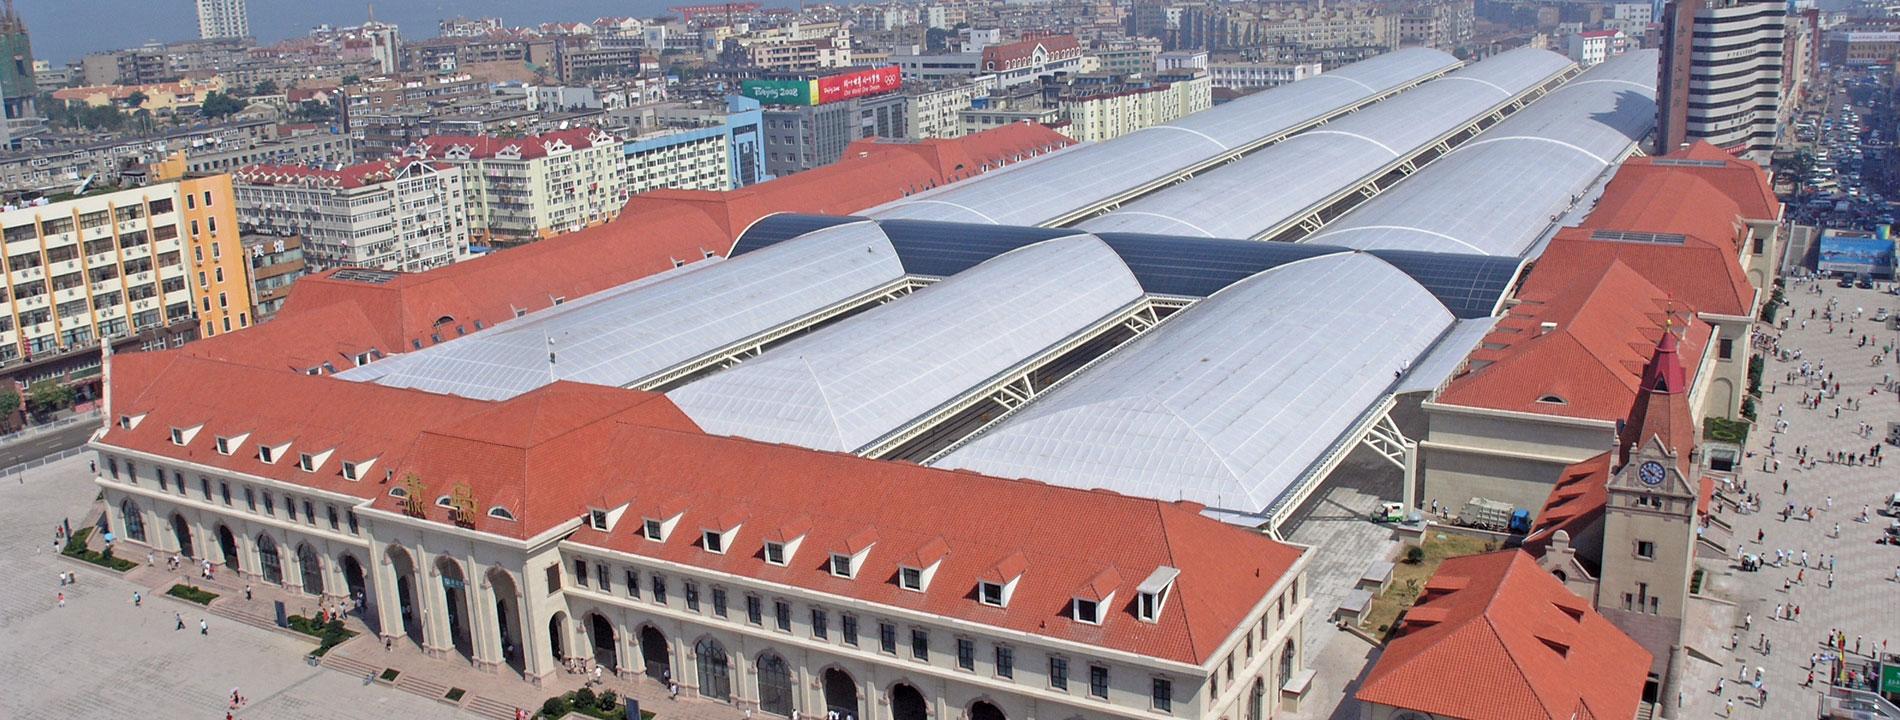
(266, 87)
(220, 105)
(136, 99)
(9, 404)
(351, 79)
(47, 396)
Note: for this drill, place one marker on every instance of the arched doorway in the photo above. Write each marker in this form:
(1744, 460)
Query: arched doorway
(268, 563)
(455, 596)
(134, 520)
(907, 703)
(557, 636)
(715, 677)
(841, 695)
(310, 568)
(1257, 700)
(775, 685)
(227, 545)
(658, 657)
(181, 531)
(405, 572)
(362, 604)
(507, 623)
(606, 642)
(985, 710)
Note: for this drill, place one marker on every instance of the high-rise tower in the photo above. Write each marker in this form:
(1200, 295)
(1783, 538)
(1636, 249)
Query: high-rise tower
(223, 19)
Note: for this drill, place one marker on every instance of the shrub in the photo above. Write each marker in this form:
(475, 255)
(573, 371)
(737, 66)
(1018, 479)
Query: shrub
(1414, 554)
(192, 594)
(608, 700)
(553, 708)
(584, 697)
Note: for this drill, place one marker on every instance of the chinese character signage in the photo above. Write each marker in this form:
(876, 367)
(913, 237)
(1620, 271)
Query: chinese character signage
(859, 84)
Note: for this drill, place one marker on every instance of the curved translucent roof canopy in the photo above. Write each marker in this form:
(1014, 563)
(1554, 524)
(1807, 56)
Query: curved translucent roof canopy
(1498, 193)
(848, 385)
(620, 336)
(1282, 183)
(1083, 178)
(1231, 401)
(1194, 267)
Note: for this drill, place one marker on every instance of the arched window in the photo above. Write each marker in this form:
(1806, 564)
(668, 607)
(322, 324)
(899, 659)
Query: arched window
(267, 560)
(775, 685)
(134, 520)
(1286, 662)
(311, 569)
(715, 680)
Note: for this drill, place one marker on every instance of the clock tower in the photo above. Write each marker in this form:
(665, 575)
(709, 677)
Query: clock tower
(1650, 514)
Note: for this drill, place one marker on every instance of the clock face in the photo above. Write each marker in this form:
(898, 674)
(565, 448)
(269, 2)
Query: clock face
(1651, 473)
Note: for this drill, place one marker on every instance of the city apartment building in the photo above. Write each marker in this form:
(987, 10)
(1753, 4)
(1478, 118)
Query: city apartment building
(932, 112)
(777, 580)
(1594, 46)
(1259, 75)
(682, 159)
(1117, 111)
(522, 189)
(275, 263)
(119, 263)
(1721, 75)
(406, 214)
(223, 19)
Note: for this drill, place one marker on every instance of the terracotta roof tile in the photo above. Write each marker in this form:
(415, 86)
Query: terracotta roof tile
(1523, 645)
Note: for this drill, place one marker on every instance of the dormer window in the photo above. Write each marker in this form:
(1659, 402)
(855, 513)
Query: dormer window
(714, 541)
(305, 462)
(775, 553)
(271, 453)
(654, 530)
(349, 471)
(597, 519)
(1088, 611)
(910, 578)
(1153, 593)
(720, 534)
(848, 562)
(841, 565)
(183, 436)
(224, 446)
(128, 422)
(914, 572)
(501, 513)
(990, 593)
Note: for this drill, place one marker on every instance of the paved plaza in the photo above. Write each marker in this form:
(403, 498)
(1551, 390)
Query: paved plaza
(1863, 592)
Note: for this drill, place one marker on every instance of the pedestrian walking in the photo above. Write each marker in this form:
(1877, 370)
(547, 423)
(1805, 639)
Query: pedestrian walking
(180, 617)
(204, 628)
(62, 599)
(247, 591)
(137, 599)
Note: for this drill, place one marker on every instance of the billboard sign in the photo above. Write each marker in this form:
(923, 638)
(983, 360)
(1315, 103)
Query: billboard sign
(1856, 253)
(845, 86)
(781, 92)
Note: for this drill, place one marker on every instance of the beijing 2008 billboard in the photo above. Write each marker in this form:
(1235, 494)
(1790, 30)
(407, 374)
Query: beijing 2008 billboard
(859, 84)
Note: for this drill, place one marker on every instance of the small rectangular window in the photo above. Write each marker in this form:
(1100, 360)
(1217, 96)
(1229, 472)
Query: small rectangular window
(1088, 611)
(1727, 348)
(841, 565)
(309, 513)
(224, 491)
(250, 499)
(990, 593)
(605, 578)
(331, 514)
(753, 613)
(920, 644)
(966, 654)
(632, 577)
(690, 589)
(658, 583)
(1005, 662)
(887, 637)
(1646, 549)
(554, 578)
(349, 516)
(910, 579)
(653, 530)
(269, 507)
(1059, 673)
(775, 553)
(1098, 681)
(820, 625)
(719, 601)
(715, 543)
(580, 572)
(848, 628)
(782, 615)
(1163, 695)
(597, 519)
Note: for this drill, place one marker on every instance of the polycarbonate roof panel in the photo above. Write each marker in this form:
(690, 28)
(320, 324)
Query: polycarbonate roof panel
(1469, 285)
(621, 336)
(1438, 365)
(1498, 193)
(846, 386)
(1231, 401)
(1040, 192)
(1281, 183)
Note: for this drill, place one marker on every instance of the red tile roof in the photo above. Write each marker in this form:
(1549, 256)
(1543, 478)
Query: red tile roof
(1741, 182)
(551, 454)
(1009, 56)
(1507, 642)
(1064, 543)
(331, 319)
(1576, 501)
(1607, 319)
